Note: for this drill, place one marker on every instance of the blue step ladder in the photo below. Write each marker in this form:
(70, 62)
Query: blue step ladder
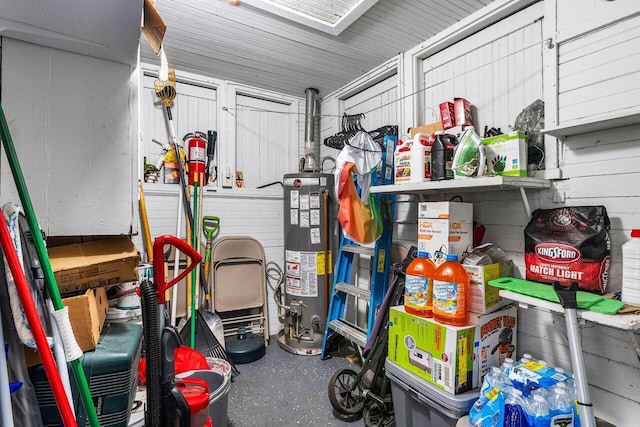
(350, 254)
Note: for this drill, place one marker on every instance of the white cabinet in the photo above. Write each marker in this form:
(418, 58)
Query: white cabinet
(592, 58)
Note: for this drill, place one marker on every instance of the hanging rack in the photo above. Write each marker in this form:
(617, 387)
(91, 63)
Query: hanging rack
(351, 124)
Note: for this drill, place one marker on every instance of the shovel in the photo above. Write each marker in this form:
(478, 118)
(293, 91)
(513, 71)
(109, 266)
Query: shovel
(210, 225)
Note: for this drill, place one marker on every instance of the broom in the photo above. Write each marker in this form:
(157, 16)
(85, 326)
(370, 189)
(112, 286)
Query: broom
(205, 340)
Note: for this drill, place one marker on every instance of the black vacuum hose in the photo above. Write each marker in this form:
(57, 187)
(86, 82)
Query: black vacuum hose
(152, 353)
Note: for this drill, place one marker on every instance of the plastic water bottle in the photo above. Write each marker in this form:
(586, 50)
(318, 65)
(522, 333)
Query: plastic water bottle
(539, 412)
(631, 269)
(451, 293)
(515, 408)
(495, 378)
(418, 287)
(561, 408)
(507, 365)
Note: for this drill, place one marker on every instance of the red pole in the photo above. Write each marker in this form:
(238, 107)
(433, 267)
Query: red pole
(48, 362)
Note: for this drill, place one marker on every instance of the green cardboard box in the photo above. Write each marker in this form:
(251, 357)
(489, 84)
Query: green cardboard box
(441, 354)
(507, 154)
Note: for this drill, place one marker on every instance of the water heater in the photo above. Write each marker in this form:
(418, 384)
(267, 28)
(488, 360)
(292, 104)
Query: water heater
(310, 243)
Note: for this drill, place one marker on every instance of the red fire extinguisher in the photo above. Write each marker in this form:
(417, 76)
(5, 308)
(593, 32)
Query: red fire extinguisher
(196, 144)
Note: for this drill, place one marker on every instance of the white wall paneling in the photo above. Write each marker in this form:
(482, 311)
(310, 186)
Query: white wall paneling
(255, 213)
(500, 70)
(73, 119)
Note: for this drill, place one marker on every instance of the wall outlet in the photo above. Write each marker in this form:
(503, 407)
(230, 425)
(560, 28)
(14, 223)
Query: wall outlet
(227, 179)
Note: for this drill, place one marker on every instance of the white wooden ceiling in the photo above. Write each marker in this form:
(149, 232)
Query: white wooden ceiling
(323, 44)
(248, 44)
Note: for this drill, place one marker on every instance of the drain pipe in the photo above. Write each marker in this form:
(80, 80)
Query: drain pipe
(311, 150)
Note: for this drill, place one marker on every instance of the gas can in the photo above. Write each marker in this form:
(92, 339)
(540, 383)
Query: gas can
(631, 269)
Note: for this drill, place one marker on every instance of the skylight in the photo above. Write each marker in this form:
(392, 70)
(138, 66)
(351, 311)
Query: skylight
(331, 16)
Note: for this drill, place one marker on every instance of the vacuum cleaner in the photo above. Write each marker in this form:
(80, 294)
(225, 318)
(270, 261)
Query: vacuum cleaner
(166, 402)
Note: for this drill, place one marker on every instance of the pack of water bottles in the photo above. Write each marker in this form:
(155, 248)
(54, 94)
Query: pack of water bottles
(527, 393)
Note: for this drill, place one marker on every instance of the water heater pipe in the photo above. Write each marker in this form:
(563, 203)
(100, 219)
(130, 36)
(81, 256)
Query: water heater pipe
(311, 151)
(326, 250)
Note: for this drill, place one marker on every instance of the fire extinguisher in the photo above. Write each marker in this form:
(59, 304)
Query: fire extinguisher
(196, 145)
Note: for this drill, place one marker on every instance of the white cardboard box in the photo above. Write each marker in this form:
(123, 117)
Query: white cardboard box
(495, 339)
(445, 228)
(485, 298)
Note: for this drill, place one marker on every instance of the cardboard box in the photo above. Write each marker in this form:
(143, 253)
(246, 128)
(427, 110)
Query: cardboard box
(429, 129)
(495, 338)
(447, 115)
(81, 266)
(462, 111)
(507, 154)
(445, 228)
(87, 314)
(485, 298)
(441, 354)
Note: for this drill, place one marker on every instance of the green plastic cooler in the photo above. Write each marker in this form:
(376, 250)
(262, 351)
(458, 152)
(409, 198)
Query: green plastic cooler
(112, 373)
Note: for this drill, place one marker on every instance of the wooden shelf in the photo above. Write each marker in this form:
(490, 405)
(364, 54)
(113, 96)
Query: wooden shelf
(628, 322)
(489, 183)
(605, 122)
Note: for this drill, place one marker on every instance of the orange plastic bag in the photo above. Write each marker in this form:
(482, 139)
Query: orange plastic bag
(359, 212)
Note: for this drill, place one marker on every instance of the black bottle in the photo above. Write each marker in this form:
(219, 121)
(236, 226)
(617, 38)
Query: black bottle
(442, 156)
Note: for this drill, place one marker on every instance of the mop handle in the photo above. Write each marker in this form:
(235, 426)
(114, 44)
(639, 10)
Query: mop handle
(36, 326)
(160, 283)
(45, 263)
(5, 388)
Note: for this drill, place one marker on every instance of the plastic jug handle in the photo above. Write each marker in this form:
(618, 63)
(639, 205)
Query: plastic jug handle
(158, 263)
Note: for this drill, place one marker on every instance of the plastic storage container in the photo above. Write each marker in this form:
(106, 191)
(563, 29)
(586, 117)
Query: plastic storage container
(442, 156)
(219, 385)
(470, 155)
(418, 294)
(631, 269)
(420, 158)
(402, 162)
(416, 403)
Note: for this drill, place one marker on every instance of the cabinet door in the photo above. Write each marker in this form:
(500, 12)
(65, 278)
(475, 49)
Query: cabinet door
(593, 58)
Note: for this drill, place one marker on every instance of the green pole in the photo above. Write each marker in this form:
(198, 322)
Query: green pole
(50, 280)
(194, 278)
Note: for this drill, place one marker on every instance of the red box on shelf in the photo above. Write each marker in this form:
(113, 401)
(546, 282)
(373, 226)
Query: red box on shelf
(447, 115)
(462, 111)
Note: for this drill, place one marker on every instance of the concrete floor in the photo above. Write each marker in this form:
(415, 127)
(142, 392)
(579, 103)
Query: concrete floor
(283, 389)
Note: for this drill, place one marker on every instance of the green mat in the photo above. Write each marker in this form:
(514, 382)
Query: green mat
(585, 300)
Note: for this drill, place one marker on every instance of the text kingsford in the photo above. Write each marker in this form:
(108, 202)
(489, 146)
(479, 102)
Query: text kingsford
(559, 253)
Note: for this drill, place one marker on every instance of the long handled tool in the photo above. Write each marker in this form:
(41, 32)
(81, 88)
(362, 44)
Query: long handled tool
(210, 225)
(166, 91)
(144, 219)
(31, 313)
(5, 389)
(567, 297)
(62, 315)
(194, 278)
